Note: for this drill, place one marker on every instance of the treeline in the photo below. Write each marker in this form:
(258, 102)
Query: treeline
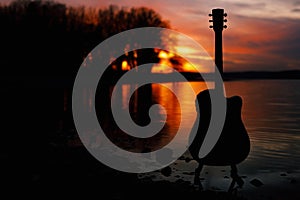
(47, 38)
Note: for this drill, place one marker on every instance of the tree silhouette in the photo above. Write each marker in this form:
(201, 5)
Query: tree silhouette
(47, 38)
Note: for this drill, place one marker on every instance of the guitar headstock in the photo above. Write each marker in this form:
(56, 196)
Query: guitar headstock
(218, 19)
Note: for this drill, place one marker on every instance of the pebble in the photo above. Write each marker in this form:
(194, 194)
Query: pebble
(256, 182)
(283, 174)
(167, 171)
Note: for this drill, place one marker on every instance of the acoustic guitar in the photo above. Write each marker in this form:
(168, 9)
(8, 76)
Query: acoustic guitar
(233, 146)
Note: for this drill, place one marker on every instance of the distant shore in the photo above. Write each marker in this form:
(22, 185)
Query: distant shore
(67, 81)
(248, 75)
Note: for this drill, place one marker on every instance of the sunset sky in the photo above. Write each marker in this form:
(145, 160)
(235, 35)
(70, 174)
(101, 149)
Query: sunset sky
(261, 35)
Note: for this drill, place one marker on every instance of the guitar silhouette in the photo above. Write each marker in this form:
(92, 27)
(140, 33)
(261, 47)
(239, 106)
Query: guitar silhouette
(233, 146)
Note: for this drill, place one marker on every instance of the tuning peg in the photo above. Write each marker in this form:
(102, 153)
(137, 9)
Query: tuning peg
(225, 14)
(211, 26)
(225, 20)
(209, 15)
(211, 20)
(224, 26)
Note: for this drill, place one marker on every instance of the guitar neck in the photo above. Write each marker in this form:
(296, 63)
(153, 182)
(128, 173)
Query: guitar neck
(219, 51)
(218, 26)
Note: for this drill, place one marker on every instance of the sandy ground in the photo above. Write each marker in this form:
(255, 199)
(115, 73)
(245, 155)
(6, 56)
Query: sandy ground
(73, 171)
(264, 184)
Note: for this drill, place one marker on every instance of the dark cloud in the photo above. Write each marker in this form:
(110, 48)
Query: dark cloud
(289, 46)
(296, 10)
(252, 44)
(238, 5)
(262, 44)
(297, 3)
(252, 6)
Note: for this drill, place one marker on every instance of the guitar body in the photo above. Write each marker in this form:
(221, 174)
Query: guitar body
(233, 146)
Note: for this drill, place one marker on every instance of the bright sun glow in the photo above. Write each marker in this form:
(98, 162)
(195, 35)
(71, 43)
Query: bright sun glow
(188, 67)
(176, 62)
(125, 66)
(163, 63)
(165, 55)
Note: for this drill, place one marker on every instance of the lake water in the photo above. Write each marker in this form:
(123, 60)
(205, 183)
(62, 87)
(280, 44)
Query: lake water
(271, 114)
